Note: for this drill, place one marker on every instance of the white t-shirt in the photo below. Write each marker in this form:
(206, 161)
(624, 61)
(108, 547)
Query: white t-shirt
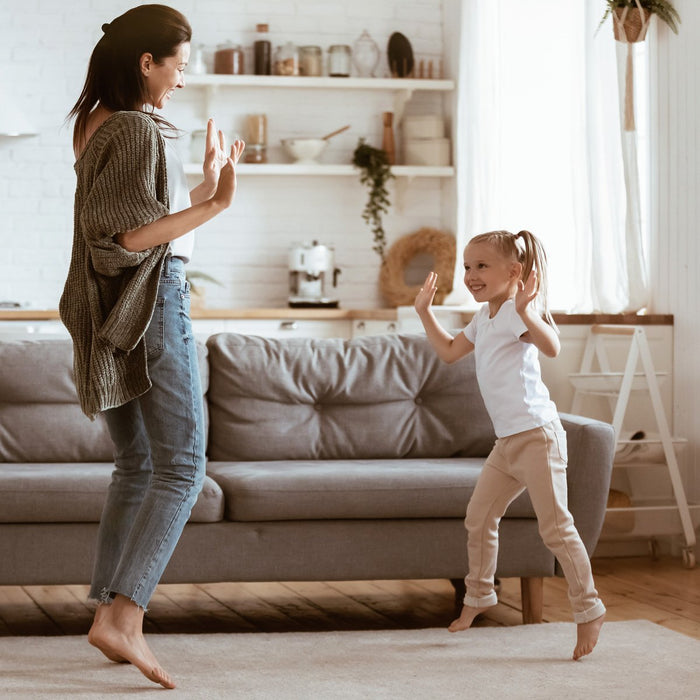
(179, 195)
(508, 372)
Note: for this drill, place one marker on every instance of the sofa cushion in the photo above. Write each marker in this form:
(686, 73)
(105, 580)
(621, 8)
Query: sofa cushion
(73, 493)
(374, 397)
(342, 489)
(40, 419)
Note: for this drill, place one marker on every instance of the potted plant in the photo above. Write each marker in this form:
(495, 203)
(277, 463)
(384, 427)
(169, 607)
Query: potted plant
(631, 17)
(197, 290)
(375, 172)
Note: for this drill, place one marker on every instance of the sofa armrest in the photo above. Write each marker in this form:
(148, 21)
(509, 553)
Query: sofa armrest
(591, 447)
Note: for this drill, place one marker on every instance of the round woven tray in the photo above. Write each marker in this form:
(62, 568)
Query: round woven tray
(438, 244)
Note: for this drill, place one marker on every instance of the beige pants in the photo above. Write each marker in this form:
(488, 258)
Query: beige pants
(534, 460)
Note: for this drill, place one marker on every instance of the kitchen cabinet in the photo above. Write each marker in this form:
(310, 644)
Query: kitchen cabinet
(28, 330)
(274, 328)
(361, 327)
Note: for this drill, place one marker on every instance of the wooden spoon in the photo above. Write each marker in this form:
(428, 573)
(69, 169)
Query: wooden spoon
(333, 133)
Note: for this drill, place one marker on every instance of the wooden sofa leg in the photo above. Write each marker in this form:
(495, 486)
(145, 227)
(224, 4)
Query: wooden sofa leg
(532, 597)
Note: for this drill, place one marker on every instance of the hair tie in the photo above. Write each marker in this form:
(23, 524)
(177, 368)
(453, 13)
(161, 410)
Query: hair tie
(105, 27)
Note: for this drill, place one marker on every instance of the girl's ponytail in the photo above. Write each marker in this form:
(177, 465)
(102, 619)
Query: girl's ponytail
(532, 255)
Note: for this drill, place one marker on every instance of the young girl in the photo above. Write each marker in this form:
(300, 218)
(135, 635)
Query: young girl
(126, 305)
(507, 273)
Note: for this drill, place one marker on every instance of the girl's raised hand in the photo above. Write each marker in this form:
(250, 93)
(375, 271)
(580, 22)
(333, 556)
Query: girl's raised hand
(526, 291)
(425, 296)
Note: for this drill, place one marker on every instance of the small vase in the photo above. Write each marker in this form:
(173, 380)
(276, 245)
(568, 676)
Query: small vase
(388, 137)
(365, 55)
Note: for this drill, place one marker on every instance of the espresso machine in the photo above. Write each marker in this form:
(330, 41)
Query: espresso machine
(313, 276)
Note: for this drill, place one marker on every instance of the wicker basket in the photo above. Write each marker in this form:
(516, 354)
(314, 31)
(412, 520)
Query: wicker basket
(635, 24)
(438, 244)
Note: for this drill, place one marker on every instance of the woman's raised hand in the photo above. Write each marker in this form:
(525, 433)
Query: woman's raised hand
(425, 296)
(215, 155)
(226, 186)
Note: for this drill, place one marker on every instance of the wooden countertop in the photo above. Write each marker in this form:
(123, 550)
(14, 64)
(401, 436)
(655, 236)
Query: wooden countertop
(353, 314)
(249, 314)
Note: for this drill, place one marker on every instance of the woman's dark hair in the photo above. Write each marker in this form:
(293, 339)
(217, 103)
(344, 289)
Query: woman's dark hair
(114, 77)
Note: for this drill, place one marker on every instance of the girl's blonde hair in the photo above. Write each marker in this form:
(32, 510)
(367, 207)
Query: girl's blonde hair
(527, 249)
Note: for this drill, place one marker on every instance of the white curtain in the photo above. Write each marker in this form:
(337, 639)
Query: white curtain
(543, 147)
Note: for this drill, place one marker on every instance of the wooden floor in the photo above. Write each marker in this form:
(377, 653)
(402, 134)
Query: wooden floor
(636, 588)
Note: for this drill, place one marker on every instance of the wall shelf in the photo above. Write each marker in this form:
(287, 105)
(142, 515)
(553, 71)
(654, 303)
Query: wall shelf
(282, 81)
(323, 170)
(403, 88)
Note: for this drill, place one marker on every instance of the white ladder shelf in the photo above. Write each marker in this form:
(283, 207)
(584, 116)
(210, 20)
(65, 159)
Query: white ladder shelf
(618, 387)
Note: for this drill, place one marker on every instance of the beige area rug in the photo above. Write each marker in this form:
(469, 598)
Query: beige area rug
(634, 659)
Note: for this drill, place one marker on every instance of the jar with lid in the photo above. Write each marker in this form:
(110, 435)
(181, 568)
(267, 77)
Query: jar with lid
(197, 65)
(228, 59)
(286, 60)
(339, 60)
(255, 153)
(365, 55)
(261, 50)
(310, 60)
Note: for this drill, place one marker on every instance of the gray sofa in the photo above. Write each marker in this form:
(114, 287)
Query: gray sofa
(328, 460)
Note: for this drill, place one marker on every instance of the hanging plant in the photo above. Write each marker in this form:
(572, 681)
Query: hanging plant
(375, 172)
(663, 8)
(630, 23)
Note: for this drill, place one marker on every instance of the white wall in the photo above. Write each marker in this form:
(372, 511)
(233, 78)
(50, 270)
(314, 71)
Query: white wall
(44, 48)
(675, 258)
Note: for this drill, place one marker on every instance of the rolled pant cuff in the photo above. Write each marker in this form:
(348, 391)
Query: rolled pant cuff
(591, 614)
(485, 602)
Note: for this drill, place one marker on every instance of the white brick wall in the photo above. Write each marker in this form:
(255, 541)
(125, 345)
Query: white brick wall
(45, 47)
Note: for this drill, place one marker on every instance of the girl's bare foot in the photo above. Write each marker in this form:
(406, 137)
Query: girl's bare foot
(587, 636)
(466, 617)
(118, 633)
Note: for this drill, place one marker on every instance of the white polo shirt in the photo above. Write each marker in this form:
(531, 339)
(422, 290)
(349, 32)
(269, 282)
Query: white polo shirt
(508, 372)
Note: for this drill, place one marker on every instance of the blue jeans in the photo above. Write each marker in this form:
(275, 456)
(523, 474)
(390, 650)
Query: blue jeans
(159, 446)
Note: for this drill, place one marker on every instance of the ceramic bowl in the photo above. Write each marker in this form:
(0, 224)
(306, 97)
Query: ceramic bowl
(304, 150)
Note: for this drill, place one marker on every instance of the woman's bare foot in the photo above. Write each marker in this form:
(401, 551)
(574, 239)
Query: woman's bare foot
(587, 636)
(466, 617)
(118, 633)
(99, 613)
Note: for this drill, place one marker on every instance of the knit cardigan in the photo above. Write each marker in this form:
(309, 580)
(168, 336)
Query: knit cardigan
(110, 293)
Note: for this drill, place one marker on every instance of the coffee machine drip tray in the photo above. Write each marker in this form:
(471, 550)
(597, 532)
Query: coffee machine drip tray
(302, 303)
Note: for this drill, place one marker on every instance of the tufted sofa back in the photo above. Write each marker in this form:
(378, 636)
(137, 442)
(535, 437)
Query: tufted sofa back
(386, 396)
(40, 418)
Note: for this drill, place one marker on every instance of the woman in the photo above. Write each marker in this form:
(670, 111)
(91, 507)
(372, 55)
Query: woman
(126, 305)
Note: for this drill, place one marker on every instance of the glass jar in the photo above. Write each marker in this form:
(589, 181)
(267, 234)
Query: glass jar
(197, 65)
(261, 51)
(365, 55)
(256, 127)
(339, 57)
(286, 60)
(310, 60)
(228, 59)
(255, 153)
